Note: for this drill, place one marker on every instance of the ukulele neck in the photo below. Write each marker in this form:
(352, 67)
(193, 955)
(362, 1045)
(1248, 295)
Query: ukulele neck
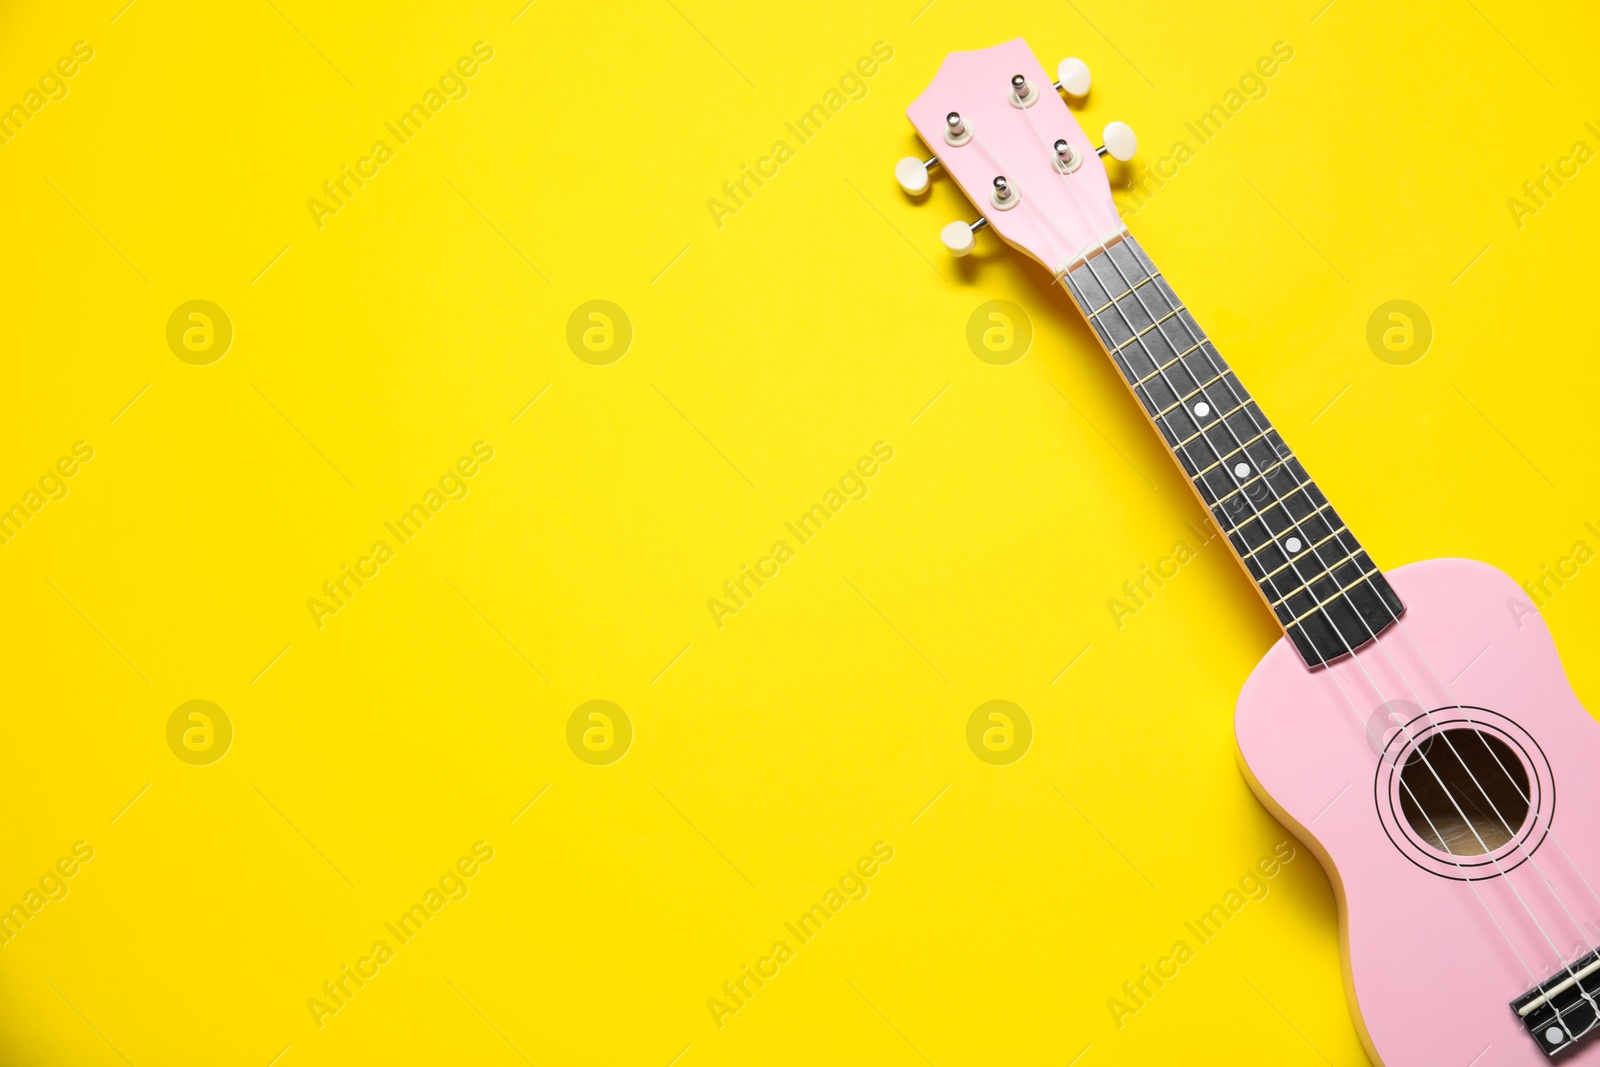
(1318, 581)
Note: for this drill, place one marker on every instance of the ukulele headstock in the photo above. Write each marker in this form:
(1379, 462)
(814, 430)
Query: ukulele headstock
(998, 126)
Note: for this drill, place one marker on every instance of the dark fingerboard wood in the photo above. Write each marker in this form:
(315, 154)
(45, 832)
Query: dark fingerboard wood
(1320, 583)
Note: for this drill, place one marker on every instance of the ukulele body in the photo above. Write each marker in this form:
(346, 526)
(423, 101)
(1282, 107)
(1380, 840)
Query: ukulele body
(1429, 977)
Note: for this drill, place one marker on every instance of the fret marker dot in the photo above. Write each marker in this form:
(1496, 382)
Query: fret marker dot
(1202, 409)
(1241, 470)
(1293, 545)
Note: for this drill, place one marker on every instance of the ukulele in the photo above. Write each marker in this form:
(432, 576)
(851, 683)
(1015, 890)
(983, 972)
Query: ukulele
(1413, 727)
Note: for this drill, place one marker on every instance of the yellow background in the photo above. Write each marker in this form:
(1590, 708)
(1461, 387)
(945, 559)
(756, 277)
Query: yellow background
(768, 354)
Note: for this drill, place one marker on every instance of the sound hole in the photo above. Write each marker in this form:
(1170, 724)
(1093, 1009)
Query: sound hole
(1464, 772)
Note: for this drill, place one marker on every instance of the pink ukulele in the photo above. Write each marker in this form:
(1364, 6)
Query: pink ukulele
(1414, 728)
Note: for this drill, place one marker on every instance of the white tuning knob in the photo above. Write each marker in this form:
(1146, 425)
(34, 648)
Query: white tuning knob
(1120, 141)
(1072, 74)
(912, 174)
(958, 238)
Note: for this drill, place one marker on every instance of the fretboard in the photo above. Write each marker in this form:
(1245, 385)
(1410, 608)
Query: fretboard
(1316, 578)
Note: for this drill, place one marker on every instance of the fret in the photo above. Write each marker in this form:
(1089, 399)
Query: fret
(1200, 427)
(1327, 594)
(1160, 373)
(1347, 623)
(1166, 348)
(1270, 579)
(1219, 396)
(1223, 458)
(1337, 593)
(1182, 426)
(1125, 262)
(1239, 512)
(1271, 556)
(1298, 503)
(1127, 320)
(1270, 575)
(1181, 376)
(1321, 593)
(1359, 560)
(1289, 586)
(1263, 478)
(1299, 595)
(1294, 527)
(1222, 433)
(1135, 322)
(1141, 284)
(1205, 393)
(1253, 478)
(1284, 516)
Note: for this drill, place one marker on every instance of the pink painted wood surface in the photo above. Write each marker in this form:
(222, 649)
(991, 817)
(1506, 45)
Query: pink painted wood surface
(1430, 977)
(1060, 217)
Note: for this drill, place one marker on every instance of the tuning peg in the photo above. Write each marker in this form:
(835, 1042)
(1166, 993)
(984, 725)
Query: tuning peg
(959, 238)
(1072, 74)
(1120, 142)
(912, 174)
